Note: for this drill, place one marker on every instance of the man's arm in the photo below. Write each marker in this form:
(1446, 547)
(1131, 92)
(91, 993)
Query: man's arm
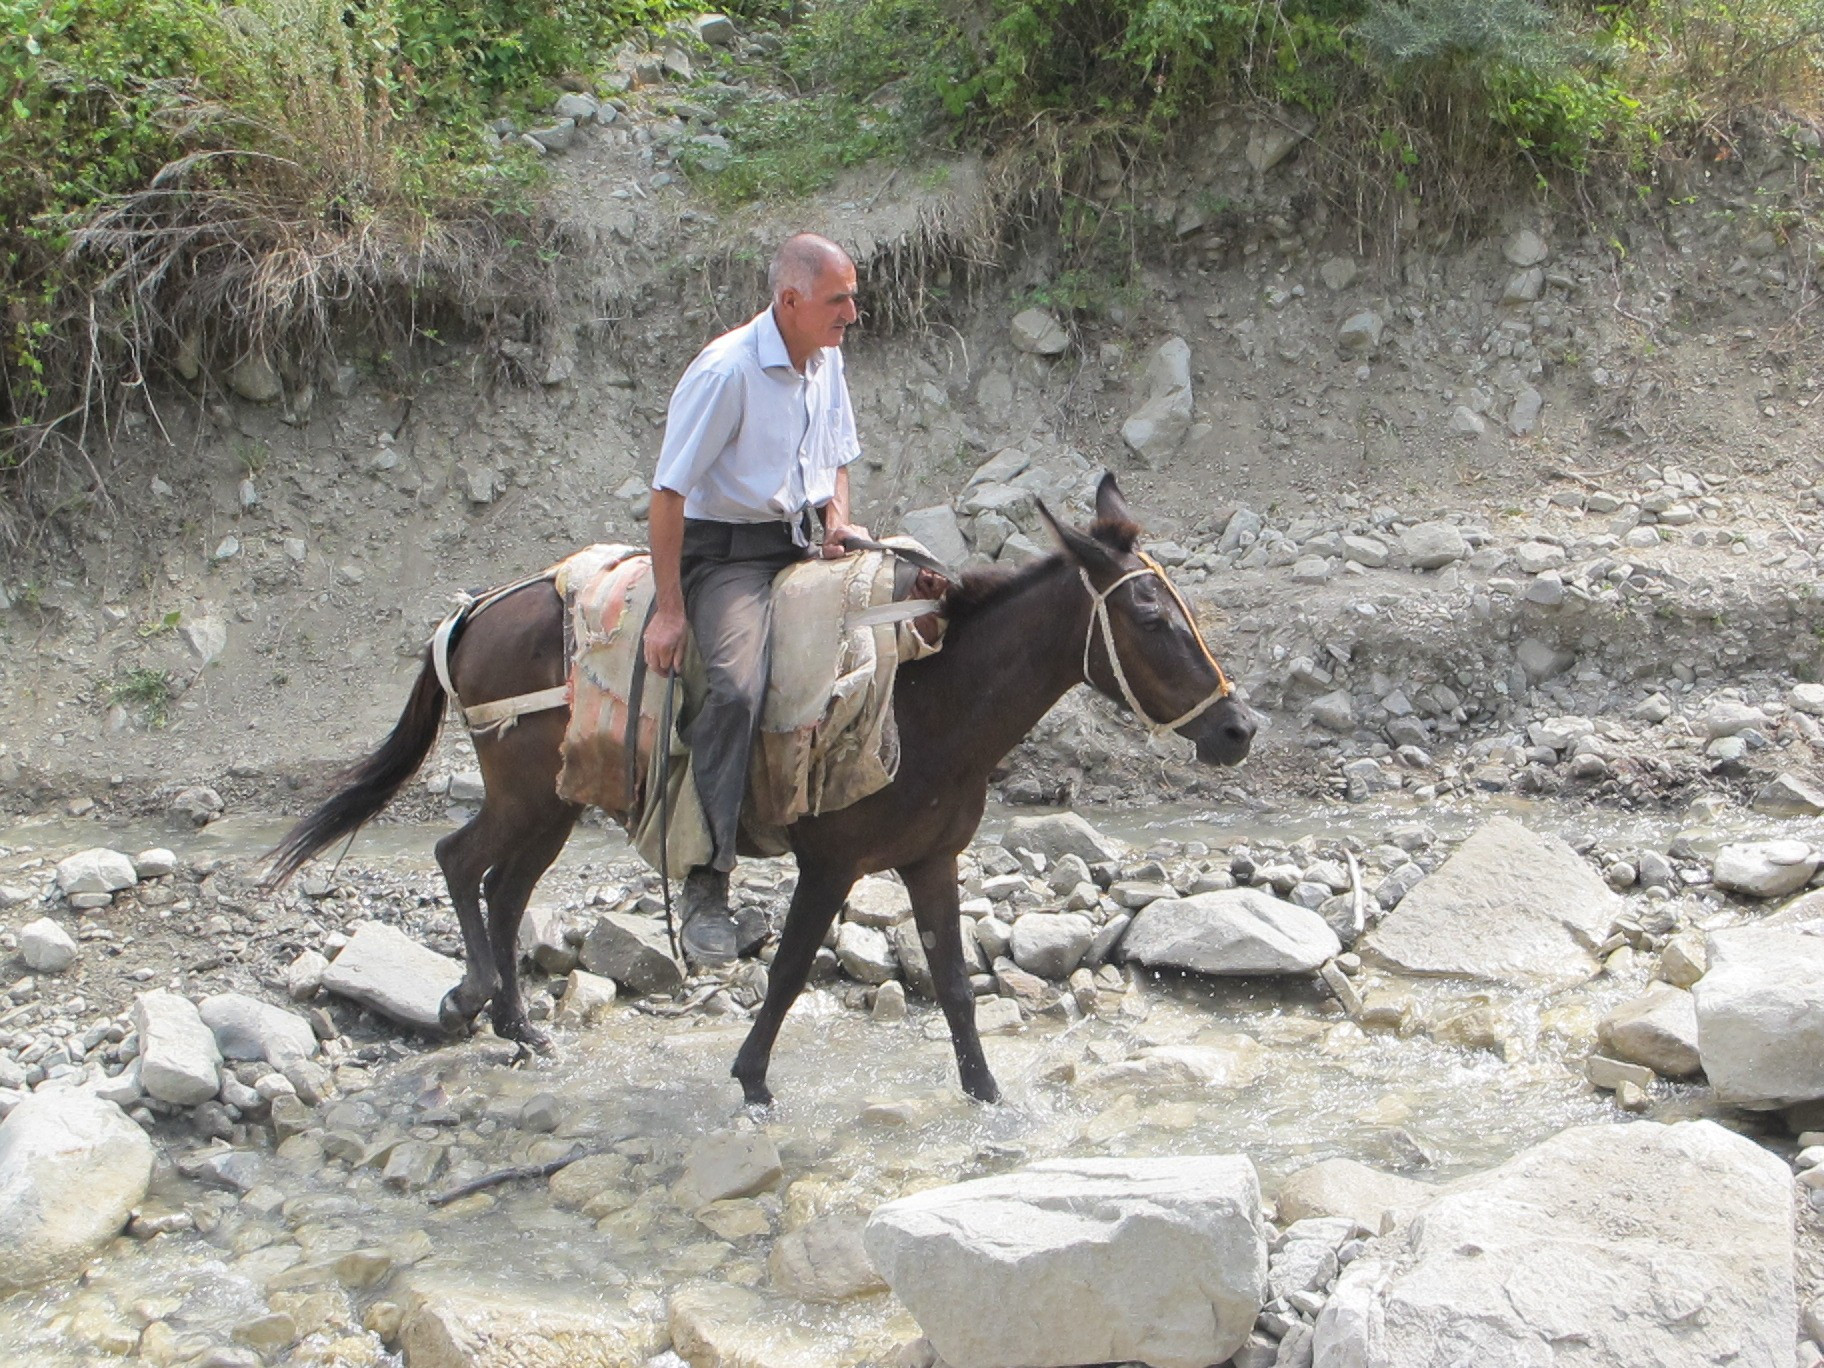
(835, 516)
(666, 632)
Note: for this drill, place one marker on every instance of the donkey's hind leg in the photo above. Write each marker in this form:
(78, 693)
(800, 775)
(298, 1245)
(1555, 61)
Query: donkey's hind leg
(931, 883)
(465, 856)
(539, 840)
(814, 906)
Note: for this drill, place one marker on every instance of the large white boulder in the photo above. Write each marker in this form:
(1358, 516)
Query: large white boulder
(1760, 1016)
(1605, 1246)
(1764, 869)
(1059, 834)
(388, 972)
(1076, 1261)
(95, 871)
(72, 1168)
(1509, 905)
(1231, 931)
(246, 1028)
(1657, 1029)
(178, 1058)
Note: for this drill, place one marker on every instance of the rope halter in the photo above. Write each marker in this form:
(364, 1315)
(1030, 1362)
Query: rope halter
(1099, 615)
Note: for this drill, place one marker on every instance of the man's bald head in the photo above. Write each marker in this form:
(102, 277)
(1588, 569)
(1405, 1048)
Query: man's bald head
(800, 260)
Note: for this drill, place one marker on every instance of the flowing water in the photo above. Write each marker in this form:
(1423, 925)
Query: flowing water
(867, 1111)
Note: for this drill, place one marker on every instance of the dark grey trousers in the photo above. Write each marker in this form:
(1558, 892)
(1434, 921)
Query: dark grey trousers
(727, 571)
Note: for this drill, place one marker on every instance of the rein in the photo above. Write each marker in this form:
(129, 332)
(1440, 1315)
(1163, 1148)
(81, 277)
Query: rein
(1099, 616)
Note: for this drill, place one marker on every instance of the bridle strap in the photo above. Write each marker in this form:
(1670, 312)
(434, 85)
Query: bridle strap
(1099, 616)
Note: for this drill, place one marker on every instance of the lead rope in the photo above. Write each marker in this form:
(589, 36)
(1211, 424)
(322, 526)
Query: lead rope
(665, 724)
(1099, 616)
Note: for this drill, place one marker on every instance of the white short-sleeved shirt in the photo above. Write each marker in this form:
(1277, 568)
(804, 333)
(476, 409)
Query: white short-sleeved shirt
(750, 440)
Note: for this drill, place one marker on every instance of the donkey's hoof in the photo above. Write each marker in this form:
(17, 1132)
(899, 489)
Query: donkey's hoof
(530, 1039)
(756, 1095)
(986, 1091)
(451, 1019)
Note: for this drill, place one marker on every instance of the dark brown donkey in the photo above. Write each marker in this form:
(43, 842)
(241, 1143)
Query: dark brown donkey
(1097, 610)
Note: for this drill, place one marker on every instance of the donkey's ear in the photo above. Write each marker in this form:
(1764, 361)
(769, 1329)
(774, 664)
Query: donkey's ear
(1082, 548)
(1110, 506)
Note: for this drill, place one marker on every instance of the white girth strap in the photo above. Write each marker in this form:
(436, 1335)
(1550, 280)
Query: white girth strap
(501, 714)
(1099, 616)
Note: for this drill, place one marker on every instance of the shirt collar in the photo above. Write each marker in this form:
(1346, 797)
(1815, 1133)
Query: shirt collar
(771, 349)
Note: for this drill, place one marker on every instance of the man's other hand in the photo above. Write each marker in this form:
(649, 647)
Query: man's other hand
(665, 636)
(835, 539)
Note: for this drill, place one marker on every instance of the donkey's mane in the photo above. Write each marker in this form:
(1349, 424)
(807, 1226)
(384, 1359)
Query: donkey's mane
(987, 586)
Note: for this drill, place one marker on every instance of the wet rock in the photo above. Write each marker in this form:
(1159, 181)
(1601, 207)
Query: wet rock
(587, 998)
(1051, 944)
(1160, 424)
(1233, 931)
(824, 1262)
(1157, 1260)
(544, 939)
(1038, 332)
(877, 902)
(540, 1113)
(719, 1326)
(890, 1002)
(304, 976)
(729, 1165)
(1764, 869)
(633, 951)
(459, 1325)
(1235, 1062)
(1700, 1269)
(1342, 1187)
(1510, 905)
(594, 1185)
(865, 954)
(178, 1058)
(411, 1165)
(72, 1170)
(1658, 1029)
(1683, 959)
(1760, 1016)
(387, 972)
(46, 947)
(198, 806)
(95, 871)
(996, 1016)
(1790, 796)
(246, 1028)
(1433, 545)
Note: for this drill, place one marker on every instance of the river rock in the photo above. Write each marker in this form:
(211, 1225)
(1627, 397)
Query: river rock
(1764, 869)
(178, 1058)
(1510, 905)
(1061, 834)
(155, 863)
(72, 1169)
(545, 940)
(1051, 944)
(46, 947)
(246, 1028)
(633, 951)
(824, 1261)
(879, 903)
(865, 953)
(714, 1325)
(587, 998)
(1342, 1187)
(1638, 1244)
(732, 1164)
(1233, 1062)
(1760, 1016)
(1075, 1261)
(1657, 1029)
(473, 1324)
(1789, 796)
(1433, 545)
(304, 975)
(95, 871)
(1231, 931)
(388, 972)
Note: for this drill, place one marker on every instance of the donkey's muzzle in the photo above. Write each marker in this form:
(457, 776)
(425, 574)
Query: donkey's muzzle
(1225, 734)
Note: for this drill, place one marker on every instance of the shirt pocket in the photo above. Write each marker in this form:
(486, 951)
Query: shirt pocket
(832, 435)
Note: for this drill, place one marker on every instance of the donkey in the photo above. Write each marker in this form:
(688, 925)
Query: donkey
(1097, 611)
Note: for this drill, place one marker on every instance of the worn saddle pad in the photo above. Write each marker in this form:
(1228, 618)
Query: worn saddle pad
(827, 737)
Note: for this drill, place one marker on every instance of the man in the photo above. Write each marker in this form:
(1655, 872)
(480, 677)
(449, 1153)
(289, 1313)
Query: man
(758, 433)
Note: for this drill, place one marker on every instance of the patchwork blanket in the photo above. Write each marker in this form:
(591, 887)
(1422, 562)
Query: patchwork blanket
(827, 735)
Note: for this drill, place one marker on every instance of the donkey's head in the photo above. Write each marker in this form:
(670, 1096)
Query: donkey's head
(1143, 649)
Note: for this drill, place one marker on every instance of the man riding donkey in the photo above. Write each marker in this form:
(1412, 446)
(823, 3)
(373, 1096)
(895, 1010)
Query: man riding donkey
(758, 434)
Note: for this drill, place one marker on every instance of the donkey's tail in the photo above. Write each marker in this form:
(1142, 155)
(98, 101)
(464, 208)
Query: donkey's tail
(370, 785)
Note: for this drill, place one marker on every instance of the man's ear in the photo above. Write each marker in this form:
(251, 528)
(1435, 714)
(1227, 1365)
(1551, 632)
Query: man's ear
(1080, 547)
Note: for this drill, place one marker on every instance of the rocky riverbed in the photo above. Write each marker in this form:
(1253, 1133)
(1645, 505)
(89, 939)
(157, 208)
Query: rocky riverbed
(1290, 1062)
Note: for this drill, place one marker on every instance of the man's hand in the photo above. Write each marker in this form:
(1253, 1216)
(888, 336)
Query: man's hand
(835, 539)
(665, 637)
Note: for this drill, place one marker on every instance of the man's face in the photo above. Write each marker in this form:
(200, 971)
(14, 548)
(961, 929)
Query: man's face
(820, 317)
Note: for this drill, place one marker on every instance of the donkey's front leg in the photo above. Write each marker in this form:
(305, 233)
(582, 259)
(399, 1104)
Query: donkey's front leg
(814, 906)
(932, 884)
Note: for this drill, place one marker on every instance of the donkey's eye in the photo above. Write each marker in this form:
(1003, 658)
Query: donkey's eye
(1152, 622)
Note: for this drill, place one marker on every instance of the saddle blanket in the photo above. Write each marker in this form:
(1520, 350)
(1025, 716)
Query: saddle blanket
(827, 735)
